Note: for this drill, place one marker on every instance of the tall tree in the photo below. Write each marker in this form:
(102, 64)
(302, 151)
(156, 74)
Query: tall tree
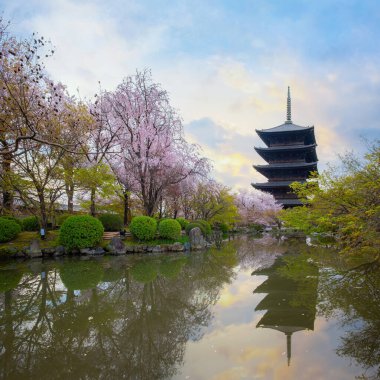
(153, 152)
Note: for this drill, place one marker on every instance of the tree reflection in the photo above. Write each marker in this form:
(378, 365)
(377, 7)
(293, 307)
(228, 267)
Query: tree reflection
(354, 296)
(123, 318)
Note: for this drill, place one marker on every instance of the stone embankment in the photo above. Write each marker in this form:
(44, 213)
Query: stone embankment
(116, 246)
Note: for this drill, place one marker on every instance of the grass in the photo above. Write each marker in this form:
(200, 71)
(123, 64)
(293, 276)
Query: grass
(158, 241)
(24, 238)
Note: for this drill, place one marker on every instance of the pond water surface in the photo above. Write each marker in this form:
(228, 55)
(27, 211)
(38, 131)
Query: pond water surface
(256, 309)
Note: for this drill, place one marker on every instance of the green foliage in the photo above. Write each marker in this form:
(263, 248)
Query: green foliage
(82, 231)
(111, 222)
(143, 228)
(256, 227)
(224, 227)
(18, 221)
(9, 229)
(183, 222)
(61, 218)
(9, 279)
(214, 203)
(30, 223)
(192, 225)
(206, 226)
(169, 229)
(144, 271)
(344, 202)
(80, 275)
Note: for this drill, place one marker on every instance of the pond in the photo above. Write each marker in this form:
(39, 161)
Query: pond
(256, 309)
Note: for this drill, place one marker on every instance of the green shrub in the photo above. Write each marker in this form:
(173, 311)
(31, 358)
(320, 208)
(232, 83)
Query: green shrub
(206, 226)
(80, 275)
(61, 218)
(30, 223)
(18, 221)
(256, 227)
(183, 222)
(111, 222)
(222, 227)
(9, 229)
(143, 227)
(169, 229)
(192, 225)
(82, 231)
(144, 271)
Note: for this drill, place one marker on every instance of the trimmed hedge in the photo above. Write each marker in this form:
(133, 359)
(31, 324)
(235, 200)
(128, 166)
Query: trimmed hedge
(143, 227)
(82, 231)
(192, 225)
(206, 226)
(18, 221)
(9, 229)
(183, 222)
(111, 222)
(169, 229)
(30, 223)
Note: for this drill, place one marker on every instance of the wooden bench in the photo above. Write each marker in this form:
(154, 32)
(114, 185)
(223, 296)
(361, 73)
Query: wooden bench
(110, 235)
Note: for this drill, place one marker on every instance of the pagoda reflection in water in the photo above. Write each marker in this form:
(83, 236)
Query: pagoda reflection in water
(291, 298)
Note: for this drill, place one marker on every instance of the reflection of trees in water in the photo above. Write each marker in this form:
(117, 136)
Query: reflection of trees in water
(130, 325)
(348, 291)
(354, 296)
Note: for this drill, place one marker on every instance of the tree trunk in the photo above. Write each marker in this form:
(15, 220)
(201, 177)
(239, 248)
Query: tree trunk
(7, 193)
(92, 205)
(43, 213)
(70, 197)
(126, 208)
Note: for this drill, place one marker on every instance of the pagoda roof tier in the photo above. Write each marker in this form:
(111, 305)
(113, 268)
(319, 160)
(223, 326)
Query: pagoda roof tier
(285, 148)
(288, 130)
(277, 184)
(291, 202)
(305, 152)
(286, 127)
(286, 165)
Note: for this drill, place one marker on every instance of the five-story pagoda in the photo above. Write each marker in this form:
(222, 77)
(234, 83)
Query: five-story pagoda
(291, 156)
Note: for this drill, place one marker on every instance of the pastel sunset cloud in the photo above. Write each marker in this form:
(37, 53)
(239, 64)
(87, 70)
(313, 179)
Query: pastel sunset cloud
(226, 66)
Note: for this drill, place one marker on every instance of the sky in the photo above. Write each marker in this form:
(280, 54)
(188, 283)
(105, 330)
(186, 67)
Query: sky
(226, 65)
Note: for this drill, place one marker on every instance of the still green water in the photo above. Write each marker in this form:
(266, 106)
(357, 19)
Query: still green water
(256, 309)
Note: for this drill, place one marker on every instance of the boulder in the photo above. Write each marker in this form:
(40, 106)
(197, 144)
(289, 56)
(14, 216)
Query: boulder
(48, 251)
(116, 246)
(157, 249)
(196, 238)
(177, 247)
(34, 250)
(59, 251)
(92, 251)
(129, 248)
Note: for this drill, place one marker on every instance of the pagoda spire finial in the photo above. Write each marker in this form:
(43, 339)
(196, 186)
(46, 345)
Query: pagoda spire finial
(288, 109)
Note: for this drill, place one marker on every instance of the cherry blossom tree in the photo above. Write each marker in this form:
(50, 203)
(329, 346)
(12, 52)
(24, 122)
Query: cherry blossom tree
(153, 152)
(256, 207)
